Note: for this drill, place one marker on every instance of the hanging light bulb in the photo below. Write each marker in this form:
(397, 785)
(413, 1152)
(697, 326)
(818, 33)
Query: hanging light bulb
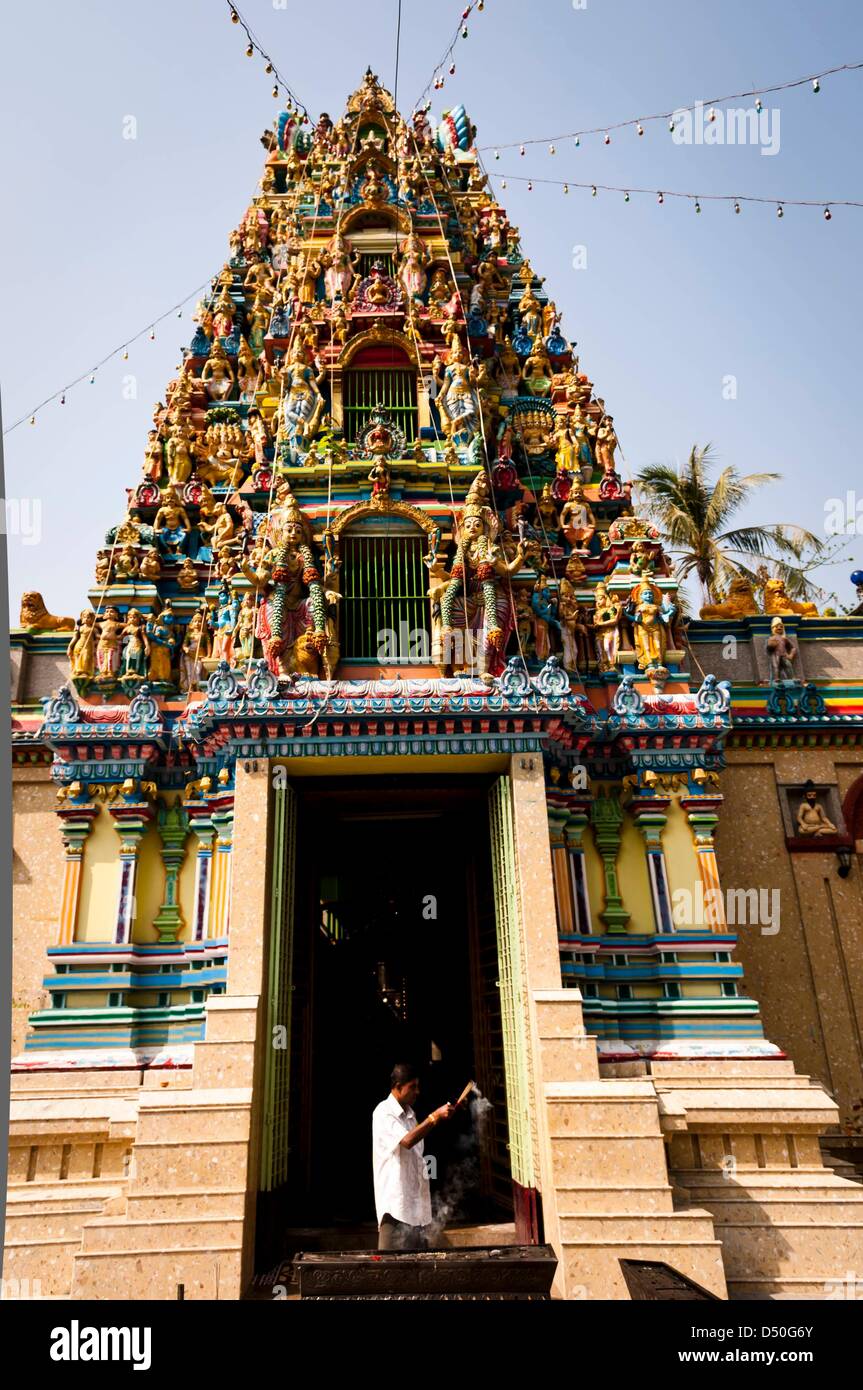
(593, 191)
(235, 18)
(179, 315)
(780, 211)
(465, 13)
(711, 115)
(671, 126)
(827, 215)
(552, 150)
(125, 354)
(464, 31)
(92, 377)
(577, 141)
(639, 129)
(607, 138)
(626, 197)
(566, 188)
(759, 104)
(152, 333)
(497, 154)
(268, 67)
(275, 89)
(250, 52)
(63, 398)
(529, 186)
(660, 199)
(697, 205)
(816, 85)
(481, 5)
(503, 183)
(452, 69)
(521, 149)
(736, 206)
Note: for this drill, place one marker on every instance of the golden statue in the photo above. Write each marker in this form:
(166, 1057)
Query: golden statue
(179, 455)
(108, 646)
(776, 600)
(217, 374)
(606, 627)
(650, 613)
(81, 651)
(187, 577)
(34, 616)
(739, 602)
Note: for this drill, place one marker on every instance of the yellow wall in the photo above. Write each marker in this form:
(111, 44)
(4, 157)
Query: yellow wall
(100, 882)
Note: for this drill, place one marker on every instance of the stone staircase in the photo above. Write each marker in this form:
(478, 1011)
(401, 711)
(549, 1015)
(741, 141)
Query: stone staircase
(605, 1157)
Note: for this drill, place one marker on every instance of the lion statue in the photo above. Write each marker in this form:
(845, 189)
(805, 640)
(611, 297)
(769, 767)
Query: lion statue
(776, 601)
(36, 618)
(739, 602)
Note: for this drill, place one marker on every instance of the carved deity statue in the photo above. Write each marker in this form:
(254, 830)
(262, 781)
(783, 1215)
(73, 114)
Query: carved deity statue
(811, 817)
(473, 600)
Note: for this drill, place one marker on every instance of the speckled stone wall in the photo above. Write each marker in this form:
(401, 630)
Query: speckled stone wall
(808, 977)
(37, 877)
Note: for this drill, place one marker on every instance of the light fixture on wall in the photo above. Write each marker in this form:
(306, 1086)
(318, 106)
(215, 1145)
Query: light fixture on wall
(843, 854)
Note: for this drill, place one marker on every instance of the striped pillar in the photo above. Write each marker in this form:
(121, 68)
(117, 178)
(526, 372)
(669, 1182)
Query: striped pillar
(578, 821)
(703, 815)
(131, 819)
(76, 824)
(650, 814)
(222, 814)
(557, 820)
(204, 831)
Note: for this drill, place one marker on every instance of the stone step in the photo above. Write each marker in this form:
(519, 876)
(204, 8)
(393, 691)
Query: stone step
(574, 1200)
(815, 1251)
(188, 1205)
(150, 1274)
(592, 1268)
(117, 1235)
(578, 1159)
(43, 1264)
(681, 1227)
(214, 1163)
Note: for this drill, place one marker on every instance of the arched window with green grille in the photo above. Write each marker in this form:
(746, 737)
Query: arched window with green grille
(382, 378)
(384, 612)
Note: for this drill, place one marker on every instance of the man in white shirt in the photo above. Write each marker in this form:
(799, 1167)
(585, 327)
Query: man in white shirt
(402, 1196)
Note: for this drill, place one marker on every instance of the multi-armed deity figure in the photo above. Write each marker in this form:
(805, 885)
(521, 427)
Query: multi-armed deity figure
(473, 600)
(302, 402)
(458, 398)
(292, 614)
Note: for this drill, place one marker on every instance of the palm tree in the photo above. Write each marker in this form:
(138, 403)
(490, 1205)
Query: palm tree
(693, 509)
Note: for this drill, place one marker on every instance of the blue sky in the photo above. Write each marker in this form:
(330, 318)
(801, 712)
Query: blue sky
(102, 233)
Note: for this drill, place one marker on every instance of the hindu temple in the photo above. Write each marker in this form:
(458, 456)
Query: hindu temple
(381, 733)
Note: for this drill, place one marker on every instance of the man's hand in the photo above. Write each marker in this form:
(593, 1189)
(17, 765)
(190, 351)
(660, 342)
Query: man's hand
(444, 1112)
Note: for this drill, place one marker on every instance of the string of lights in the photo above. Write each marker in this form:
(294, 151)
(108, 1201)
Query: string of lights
(280, 86)
(638, 123)
(448, 61)
(735, 199)
(121, 351)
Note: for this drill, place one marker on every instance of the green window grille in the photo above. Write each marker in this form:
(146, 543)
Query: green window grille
(384, 608)
(393, 390)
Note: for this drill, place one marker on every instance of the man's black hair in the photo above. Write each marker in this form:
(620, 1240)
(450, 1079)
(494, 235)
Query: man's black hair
(402, 1073)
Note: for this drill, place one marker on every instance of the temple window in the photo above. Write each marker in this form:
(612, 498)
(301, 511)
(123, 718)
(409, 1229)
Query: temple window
(379, 377)
(384, 608)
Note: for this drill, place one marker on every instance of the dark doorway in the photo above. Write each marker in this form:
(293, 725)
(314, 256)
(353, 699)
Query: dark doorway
(394, 960)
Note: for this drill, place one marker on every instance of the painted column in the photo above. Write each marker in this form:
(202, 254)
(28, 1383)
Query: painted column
(131, 818)
(77, 817)
(703, 814)
(558, 817)
(204, 831)
(173, 827)
(222, 815)
(650, 814)
(607, 819)
(577, 823)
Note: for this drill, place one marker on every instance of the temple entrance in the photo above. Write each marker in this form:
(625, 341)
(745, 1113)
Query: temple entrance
(393, 957)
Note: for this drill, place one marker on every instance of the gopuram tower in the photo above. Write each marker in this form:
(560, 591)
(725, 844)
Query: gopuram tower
(378, 738)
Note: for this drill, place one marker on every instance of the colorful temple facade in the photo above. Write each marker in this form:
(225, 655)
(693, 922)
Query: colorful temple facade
(380, 737)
